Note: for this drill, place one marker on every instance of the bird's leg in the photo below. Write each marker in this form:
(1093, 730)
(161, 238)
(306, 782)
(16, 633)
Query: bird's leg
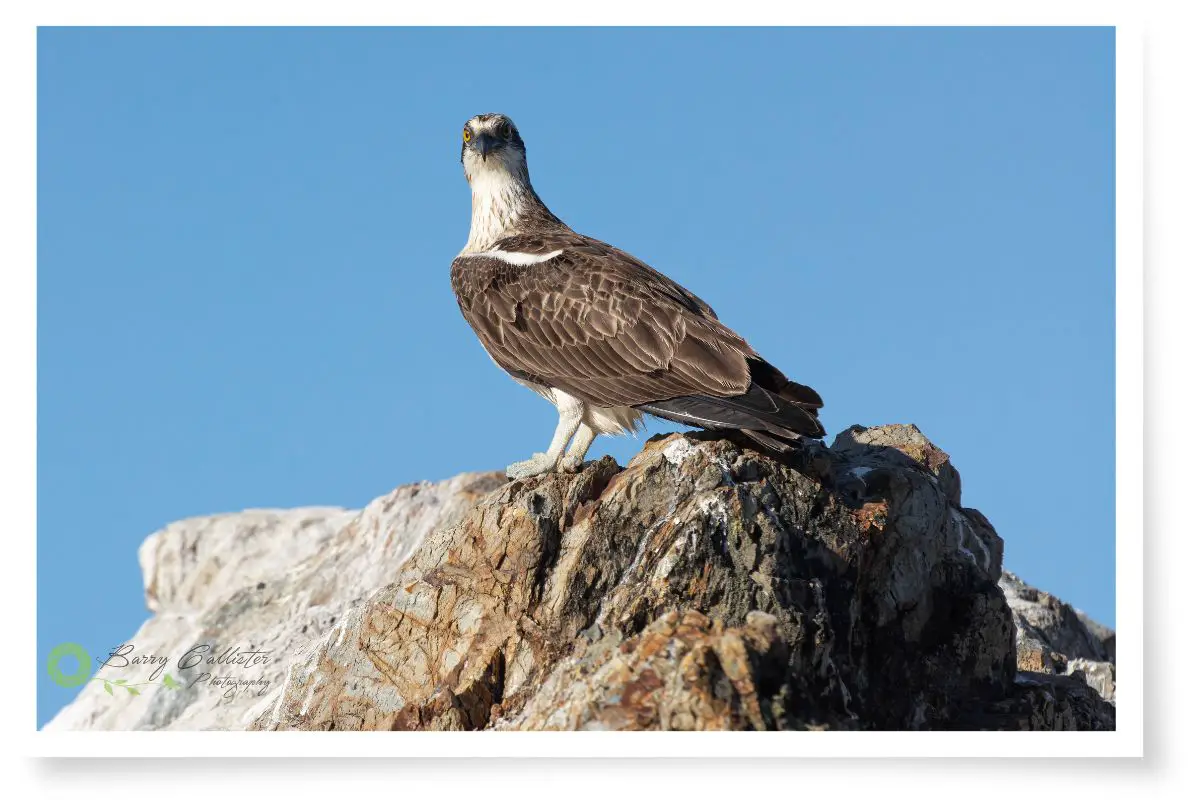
(569, 419)
(573, 459)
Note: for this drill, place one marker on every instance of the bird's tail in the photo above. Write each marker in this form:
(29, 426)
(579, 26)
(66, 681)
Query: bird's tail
(776, 420)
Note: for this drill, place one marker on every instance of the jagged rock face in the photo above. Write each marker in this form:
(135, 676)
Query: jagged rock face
(703, 587)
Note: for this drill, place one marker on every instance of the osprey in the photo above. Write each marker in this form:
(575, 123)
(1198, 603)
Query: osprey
(597, 332)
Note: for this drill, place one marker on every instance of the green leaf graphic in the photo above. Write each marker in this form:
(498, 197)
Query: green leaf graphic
(132, 690)
(108, 687)
(123, 680)
(169, 682)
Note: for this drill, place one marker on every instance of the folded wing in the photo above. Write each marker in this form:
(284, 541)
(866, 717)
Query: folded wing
(576, 314)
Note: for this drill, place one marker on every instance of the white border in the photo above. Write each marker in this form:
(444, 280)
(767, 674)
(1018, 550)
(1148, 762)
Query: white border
(1129, 377)
(602, 744)
(1127, 740)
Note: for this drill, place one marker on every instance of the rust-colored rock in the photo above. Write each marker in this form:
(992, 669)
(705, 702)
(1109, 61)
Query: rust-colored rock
(684, 672)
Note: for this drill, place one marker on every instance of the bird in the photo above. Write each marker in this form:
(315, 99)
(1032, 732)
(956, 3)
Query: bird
(600, 334)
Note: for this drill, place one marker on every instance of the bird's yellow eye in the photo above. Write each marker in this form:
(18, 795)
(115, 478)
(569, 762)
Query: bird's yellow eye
(466, 135)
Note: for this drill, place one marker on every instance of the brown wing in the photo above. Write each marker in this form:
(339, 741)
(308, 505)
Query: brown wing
(597, 323)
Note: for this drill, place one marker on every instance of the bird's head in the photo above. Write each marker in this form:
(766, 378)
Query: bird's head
(492, 148)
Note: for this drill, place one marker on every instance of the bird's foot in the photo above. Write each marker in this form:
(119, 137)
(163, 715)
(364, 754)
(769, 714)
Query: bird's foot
(540, 464)
(570, 464)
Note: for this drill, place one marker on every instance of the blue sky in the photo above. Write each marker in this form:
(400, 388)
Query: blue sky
(244, 240)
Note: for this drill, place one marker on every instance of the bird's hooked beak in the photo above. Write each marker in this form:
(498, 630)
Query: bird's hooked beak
(485, 143)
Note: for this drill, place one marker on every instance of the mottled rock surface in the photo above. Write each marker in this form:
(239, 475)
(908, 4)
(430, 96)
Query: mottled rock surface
(702, 587)
(685, 671)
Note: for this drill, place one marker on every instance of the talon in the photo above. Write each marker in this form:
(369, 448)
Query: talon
(537, 465)
(570, 464)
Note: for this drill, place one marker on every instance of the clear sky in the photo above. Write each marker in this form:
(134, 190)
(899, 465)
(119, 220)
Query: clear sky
(244, 242)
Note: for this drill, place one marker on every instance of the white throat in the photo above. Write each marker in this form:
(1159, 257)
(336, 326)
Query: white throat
(498, 199)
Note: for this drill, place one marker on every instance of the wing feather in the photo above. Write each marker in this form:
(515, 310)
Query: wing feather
(598, 323)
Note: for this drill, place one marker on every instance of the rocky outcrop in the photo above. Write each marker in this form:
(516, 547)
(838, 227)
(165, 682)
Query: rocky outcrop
(1055, 639)
(702, 587)
(264, 582)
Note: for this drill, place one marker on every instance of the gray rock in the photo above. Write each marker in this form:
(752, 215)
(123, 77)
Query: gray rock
(190, 563)
(1100, 675)
(1053, 624)
(1054, 639)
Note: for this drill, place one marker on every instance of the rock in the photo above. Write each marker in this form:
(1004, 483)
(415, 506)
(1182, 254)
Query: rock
(257, 580)
(1054, 639)
(1041, 702)
(684, 672)
(1054, 624)
(1106, 636)
(190, 563)
(1100, 675)
(703, 587)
